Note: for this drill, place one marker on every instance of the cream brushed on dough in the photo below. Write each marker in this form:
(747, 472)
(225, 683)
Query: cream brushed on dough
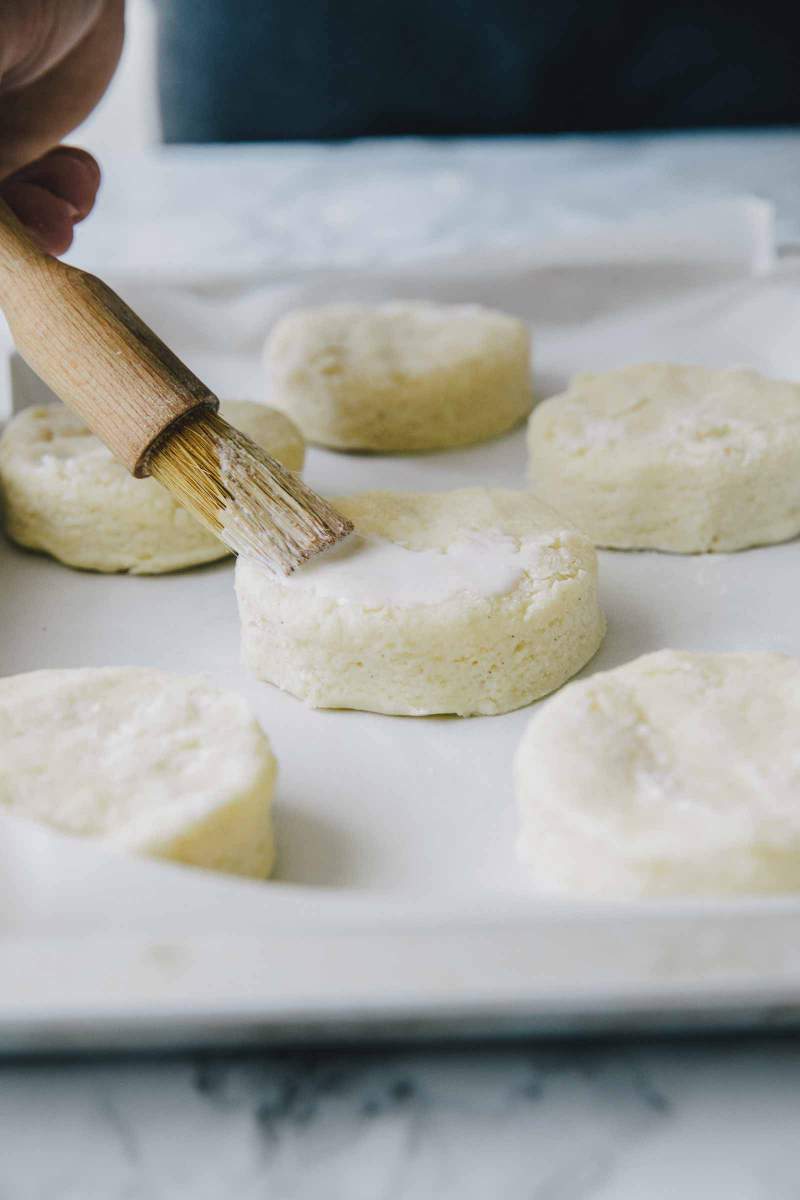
(474, 601)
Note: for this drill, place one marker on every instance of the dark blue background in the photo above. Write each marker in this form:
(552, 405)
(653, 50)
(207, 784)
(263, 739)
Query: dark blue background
(234, 70)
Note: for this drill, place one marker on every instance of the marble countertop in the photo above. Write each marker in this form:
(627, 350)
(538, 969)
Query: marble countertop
(289, 207)
(699, 1121)
(580, 1121)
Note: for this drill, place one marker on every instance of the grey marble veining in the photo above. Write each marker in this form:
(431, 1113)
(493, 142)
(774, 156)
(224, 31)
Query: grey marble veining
(625, 1121)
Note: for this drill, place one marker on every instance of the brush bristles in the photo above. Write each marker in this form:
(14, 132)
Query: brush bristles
(252, 503)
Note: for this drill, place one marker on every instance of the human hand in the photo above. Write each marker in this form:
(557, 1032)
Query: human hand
(56, 60)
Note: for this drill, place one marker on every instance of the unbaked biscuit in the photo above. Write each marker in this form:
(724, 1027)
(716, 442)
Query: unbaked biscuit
(678, 773)
(64, 493)
(408, 375)
(472, 602)
(144, 761)
(672, 457)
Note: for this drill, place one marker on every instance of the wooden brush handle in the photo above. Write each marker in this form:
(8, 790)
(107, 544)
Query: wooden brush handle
(92, 350)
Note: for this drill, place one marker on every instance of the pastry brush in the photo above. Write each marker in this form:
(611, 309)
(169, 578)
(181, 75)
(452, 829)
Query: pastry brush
(154, 415)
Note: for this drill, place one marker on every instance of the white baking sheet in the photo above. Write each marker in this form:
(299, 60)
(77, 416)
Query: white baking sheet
(398, 904)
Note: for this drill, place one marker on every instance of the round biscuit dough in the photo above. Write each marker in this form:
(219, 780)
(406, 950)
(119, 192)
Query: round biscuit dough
(408, 375)
(676, 458)
(471, 602)
(64, 493)
(678, 773)
(152, 763)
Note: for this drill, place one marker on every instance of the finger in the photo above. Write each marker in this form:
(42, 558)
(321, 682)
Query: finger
(67, 172)
(49, 218)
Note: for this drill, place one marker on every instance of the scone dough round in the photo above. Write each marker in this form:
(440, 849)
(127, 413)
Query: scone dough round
(64, 493)
(153, 763)
(471, 602)
(408, 375)
(678, 773)
(674, 458)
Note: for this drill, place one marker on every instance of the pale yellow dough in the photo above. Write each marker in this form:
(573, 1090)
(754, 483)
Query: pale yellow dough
(152, 763)
(64, 493)
(674, 458)
(471, 602)
(408, 375)
(676, 774)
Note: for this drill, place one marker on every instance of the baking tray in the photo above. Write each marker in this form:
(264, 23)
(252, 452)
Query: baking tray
(398, 907)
